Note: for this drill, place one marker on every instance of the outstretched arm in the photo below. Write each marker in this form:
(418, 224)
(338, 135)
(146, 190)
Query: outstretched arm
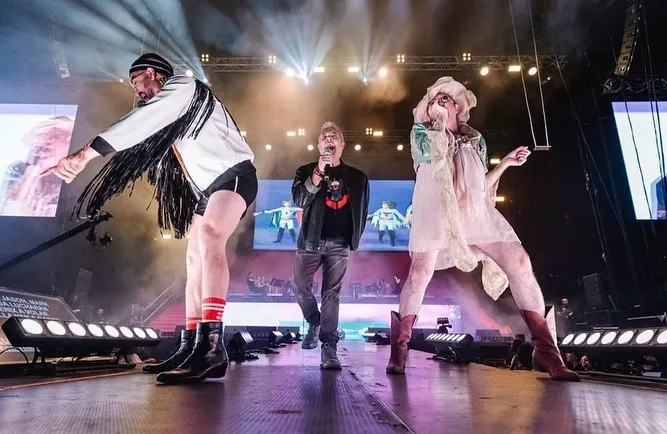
(514, 159)
(142, 122)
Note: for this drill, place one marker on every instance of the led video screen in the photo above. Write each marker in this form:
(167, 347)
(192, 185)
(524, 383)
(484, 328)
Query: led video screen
(642, 130)
(278, 220)
(34, 137)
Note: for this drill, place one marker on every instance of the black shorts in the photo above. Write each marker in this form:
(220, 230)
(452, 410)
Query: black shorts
(245, 185)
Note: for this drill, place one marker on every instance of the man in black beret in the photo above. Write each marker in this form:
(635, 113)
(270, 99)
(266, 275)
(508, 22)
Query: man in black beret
(202, 170)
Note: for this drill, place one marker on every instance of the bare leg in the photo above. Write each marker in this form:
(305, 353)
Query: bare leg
(513, 259)
(222, 216)
(421, 272)
(193, 284)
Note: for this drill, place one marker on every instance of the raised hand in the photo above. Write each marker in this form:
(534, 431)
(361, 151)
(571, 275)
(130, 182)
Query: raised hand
(517, 157)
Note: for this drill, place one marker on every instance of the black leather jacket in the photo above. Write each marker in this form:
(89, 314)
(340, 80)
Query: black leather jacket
(312, 199)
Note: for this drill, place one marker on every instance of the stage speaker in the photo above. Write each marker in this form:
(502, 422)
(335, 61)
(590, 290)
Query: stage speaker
(592, 293)
(630, 34)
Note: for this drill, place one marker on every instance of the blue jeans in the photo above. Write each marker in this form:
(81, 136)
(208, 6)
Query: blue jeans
(332, 255)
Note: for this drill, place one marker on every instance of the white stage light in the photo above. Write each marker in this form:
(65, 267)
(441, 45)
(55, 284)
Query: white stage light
(399, 147)
(644, 337)
(56, 328)
(581, 337)
(267, 147)
(383, 72)
(357, 147)
(532, 71)
(189, 73)
(662, 338)
(31, 326)
(151, 333)
(567, 339)
(514, 68)
(310, 147)
(593, 338)
(353, 69)
(139, 332)
(625, 337)
(484, 71)
(289, 72)
(95, 330)
(126, 332)
(76, 329)
(111, 331)
(608, 338)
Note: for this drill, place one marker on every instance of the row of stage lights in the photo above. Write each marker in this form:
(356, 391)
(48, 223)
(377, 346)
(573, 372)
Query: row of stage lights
(384, 71)
(645, 337)
(48, 335)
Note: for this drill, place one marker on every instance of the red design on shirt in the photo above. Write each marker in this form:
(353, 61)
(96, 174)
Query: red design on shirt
(338, 204)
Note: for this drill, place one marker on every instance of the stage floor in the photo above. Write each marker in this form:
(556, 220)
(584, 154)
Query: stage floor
(287, 392)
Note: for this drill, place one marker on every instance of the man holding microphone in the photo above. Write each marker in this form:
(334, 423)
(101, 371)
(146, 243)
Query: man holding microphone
(334, 198)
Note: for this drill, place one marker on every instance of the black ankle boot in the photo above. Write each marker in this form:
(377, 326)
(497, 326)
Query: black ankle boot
(184, 349)
(208, 358)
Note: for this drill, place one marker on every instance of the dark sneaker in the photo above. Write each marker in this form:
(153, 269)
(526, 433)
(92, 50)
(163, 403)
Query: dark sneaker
(329, 358)
(312, 338)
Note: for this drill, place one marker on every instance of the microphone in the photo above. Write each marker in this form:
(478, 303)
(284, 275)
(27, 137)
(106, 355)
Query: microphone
(327, 151)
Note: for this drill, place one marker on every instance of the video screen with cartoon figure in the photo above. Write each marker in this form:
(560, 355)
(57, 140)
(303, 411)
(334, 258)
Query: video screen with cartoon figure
(278, 220)
(35, 137)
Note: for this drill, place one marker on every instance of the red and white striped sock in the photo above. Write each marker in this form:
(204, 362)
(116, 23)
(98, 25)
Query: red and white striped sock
(191, 322)
(212, 309)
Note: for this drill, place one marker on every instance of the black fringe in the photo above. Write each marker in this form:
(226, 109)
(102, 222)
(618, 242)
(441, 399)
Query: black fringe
(176, 200)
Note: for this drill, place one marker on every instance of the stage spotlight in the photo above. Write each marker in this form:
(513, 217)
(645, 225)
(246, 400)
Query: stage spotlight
(56, 328)
(139, 332)
(378, 133)
(662, 338)
(301, 132)
(644, 337)
(365, 80)
(369, 131)
(500, 199)
(514, 68)
(151, 333)
(126, 332)
(120, 80)
(205, 80)
(31, 326)
(383, 72)
(205, 58)
(274, 339)
(76, 329)
(484, 71)
(625, 337)
(112, 331)
(267, 147)
(467, 57)
(273, 60)
(189, 73)
(353, 69)
(291, 134)
(95, 330)
(494, 161)
(593, 338)
(289, 72)
(244, 133)
(400, 58)
(166, 236)
(567, 339)
(357, 147)
(608, 338)
(580, 339)
(399, 147)
(319, 69)
(310, 147)
(532, 70)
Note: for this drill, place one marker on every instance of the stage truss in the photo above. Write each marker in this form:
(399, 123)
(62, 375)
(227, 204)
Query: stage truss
(400, 63)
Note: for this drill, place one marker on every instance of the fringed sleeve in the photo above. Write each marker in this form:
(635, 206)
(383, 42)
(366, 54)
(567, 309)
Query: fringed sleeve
(160, 111)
